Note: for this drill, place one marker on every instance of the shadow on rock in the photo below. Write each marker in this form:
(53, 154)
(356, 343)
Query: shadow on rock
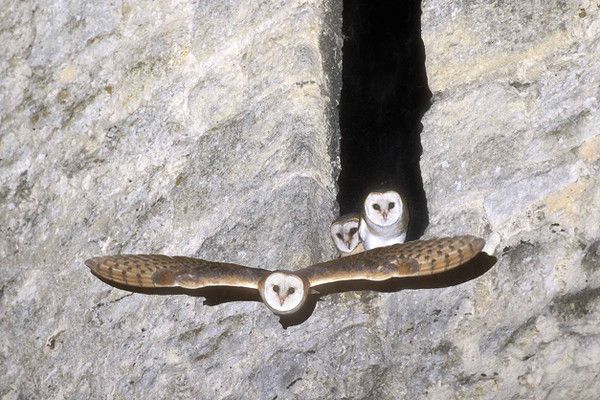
(472, 269)
(219, 295)
(213, 296)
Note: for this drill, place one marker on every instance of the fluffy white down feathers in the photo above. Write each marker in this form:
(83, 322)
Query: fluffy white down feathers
(344, 233)
(383, 222)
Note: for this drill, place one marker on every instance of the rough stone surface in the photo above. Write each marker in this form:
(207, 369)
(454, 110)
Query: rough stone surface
(512, 153)
(208, 128)
(195, 128)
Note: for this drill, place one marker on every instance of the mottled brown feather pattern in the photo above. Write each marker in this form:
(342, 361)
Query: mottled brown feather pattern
(154, 270)
(422, 257)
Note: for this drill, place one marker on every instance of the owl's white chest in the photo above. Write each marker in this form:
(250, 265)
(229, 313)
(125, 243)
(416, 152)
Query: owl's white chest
(380, 236)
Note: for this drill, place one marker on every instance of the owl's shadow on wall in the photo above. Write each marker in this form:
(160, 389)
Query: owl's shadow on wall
(472, 269)
(384, 96)
(215, 296)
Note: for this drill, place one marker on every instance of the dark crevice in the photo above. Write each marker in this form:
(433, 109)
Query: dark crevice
(384, 96)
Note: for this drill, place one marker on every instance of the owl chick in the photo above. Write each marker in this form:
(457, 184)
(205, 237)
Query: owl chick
(344, 233)
(384, 220)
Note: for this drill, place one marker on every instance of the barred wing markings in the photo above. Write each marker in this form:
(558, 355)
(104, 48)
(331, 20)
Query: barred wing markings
(155, 270)
(418, 258)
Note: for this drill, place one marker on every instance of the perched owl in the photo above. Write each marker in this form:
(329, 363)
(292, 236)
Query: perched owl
(344, 233)
(384, 220)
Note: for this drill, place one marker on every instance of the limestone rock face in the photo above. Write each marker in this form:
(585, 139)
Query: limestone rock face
(209, 129)
(195, 128)
(512, 153)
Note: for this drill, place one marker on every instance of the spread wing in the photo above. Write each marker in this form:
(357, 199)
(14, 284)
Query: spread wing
(421, 257)
(154, 270)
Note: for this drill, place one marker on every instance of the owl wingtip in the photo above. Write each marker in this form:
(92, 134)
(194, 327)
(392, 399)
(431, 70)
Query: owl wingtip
(91, 262)
(478, 243)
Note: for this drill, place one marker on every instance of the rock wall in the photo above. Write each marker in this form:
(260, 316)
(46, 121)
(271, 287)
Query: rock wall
(512, 152)
(198, 128)
(209, 129)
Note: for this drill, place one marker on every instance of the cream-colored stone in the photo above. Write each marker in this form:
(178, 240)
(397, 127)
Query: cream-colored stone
(589, 151)
(569, 199)
(446, 72)
(68, 74)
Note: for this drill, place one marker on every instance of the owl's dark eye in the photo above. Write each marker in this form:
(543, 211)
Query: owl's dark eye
(276, 288)
(353, 231)
(391, 205)
(291, 290)
(339, 235)
(376, 206)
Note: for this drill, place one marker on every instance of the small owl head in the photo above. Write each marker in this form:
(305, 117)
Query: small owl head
(284, 292)
(384, 208)
(344, 232)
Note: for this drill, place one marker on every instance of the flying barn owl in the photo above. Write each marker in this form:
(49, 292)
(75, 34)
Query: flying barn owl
(285, 292)
(384, 220)
(344, 233)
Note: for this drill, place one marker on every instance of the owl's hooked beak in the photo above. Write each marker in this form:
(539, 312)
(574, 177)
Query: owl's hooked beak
(348, 243)
(282, 299)
(384, 214)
